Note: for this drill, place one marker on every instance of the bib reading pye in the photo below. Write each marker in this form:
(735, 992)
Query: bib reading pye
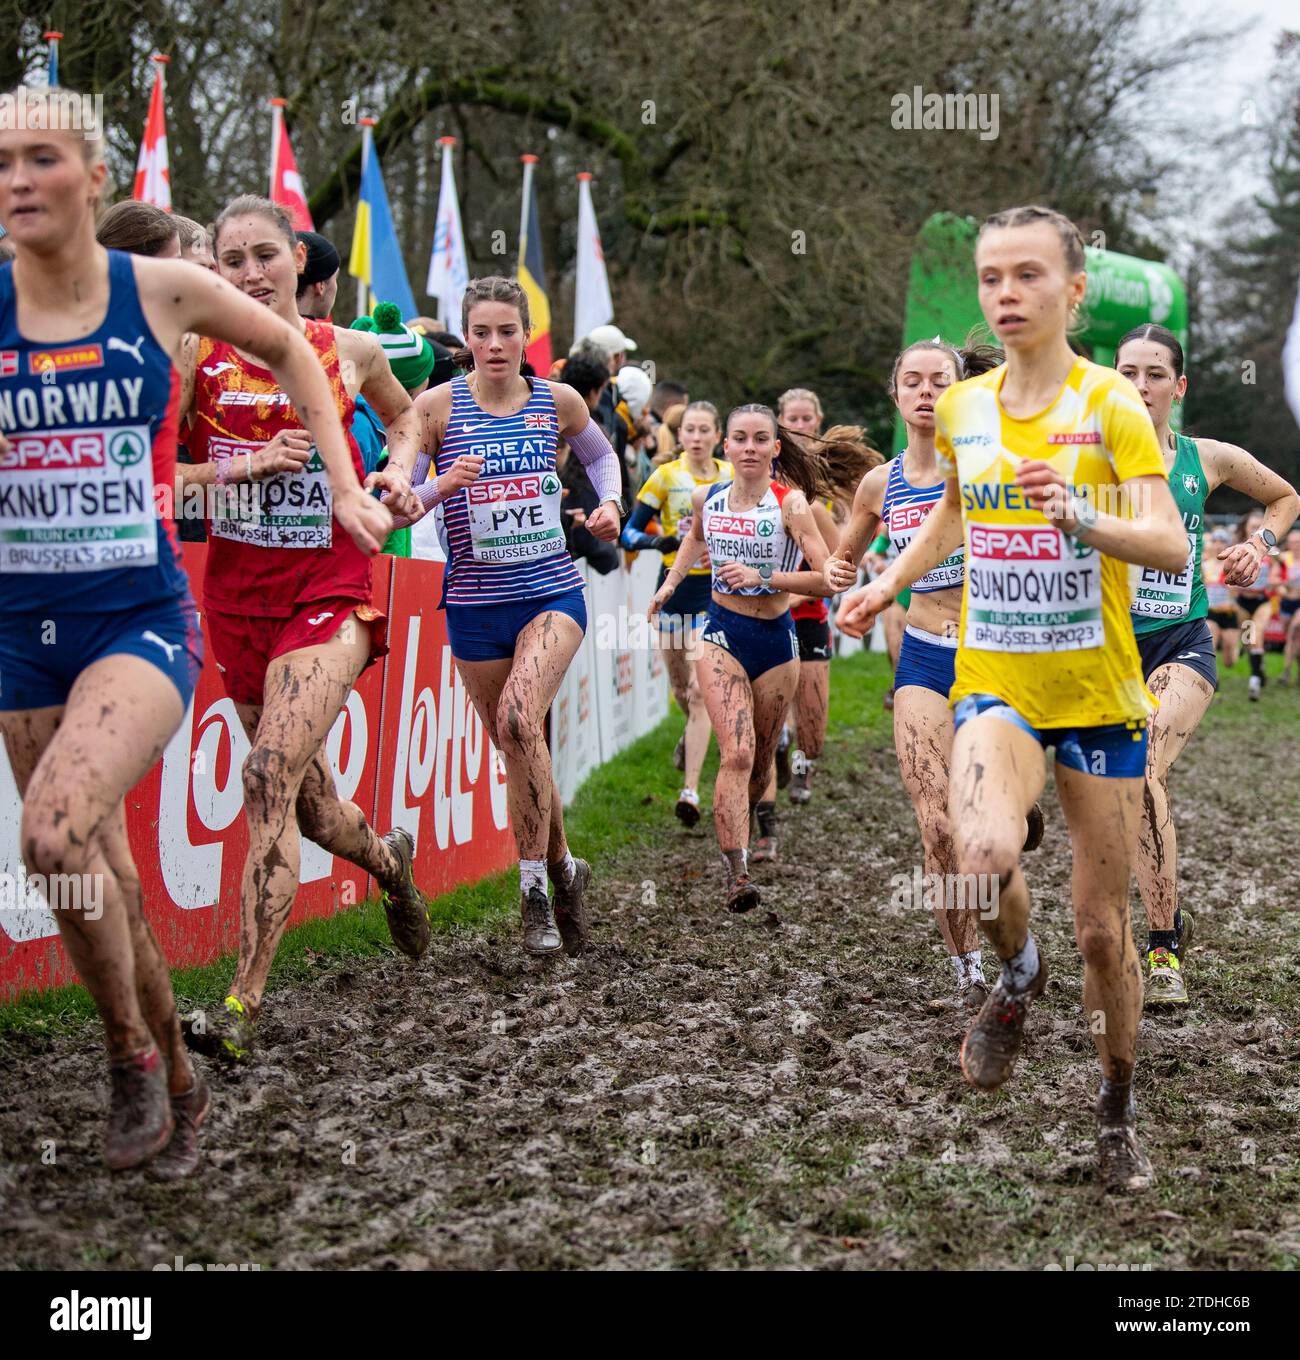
(515, 518)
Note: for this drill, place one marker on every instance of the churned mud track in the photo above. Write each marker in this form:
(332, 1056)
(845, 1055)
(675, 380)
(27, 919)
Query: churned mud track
(711, 1091)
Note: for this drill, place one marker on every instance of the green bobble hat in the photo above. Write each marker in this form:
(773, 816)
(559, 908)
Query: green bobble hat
(410, 356)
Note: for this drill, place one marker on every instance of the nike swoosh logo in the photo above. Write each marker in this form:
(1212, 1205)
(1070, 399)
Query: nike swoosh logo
(469, 429)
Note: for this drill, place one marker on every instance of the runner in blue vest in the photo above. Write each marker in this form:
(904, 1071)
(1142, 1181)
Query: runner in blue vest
(1173, 636)
(99, 645)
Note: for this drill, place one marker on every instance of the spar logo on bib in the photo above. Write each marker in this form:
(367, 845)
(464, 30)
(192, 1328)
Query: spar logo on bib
(732, 524)
(54, 452)
(766, 528)
(1015, 545)
(906, 518)
(512, 489)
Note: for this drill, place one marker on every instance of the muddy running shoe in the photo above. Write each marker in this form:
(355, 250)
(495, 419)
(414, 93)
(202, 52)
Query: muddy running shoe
(140, 1112)
(226, 1036)
(972, 994)
(801, 774)
(688, 807)
(888, 701)
(570, 908)
(679, 753)
(764, 851)
(743, 894)
(1034, 829)
(181, 1156)
(1123, 1165)
(991, 1045)
(404, 904)
(1165, 985)
(783, 759)
(541, 934)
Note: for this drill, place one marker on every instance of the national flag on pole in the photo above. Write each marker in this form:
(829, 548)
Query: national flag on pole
(1291, 362)
(152, 177)
(286, 183)
(532, 274)
(448, 263)
(592, 304)
(52, 66)
(376, 256)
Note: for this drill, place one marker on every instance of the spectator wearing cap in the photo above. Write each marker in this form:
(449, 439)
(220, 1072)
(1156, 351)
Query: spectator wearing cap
(617, 345)
(318, 284)
(633, 408)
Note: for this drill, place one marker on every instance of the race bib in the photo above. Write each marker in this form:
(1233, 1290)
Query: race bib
(515, 518)
(1163, 594)
(289, 510)
(1031, 589)
(78, 500)
(904, 521)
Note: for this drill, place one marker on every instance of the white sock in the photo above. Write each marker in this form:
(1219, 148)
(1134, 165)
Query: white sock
(958, 962)
(532, 874)
(1021, 969)
(974, 964)
(562, 871)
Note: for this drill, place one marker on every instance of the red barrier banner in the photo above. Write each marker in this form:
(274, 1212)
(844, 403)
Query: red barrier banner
(408, 713)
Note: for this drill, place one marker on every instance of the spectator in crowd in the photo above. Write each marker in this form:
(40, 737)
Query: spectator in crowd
(617, 345)
(634, 390)
(139, 229)
(665, 396)
(590, 377)
(667, 437)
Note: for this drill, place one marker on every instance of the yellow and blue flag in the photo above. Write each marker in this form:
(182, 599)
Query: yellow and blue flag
(376, 255)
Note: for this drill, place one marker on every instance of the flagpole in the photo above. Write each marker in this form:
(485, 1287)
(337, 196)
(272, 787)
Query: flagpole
(52, 64)
(529, 163)
(277, 116)
(363, 288)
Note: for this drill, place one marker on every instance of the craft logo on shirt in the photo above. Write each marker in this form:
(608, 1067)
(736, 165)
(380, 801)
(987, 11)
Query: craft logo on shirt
(537, 420)
(65, 360)
(8, 363)
(1015, 545)
(1075, 437)
(961, 440)
(511, 489)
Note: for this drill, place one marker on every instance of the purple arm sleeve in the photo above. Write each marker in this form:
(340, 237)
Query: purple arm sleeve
(597, 455)
(426, 491)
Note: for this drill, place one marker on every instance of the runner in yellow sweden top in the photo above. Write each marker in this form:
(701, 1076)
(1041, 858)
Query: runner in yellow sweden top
(1030, 589)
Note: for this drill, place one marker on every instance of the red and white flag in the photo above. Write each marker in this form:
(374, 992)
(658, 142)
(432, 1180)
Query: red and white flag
(152, 177)
(286, 183)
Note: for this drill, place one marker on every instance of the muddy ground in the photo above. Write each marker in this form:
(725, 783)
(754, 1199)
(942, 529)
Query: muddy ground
(710, 1091)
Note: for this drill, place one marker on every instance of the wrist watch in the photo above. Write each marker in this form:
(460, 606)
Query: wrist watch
(1269, 537)
(1085, 519)
(765, 572)
(617, 503)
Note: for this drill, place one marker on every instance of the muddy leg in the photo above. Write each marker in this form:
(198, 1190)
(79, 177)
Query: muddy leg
(730, 703)
(811, 705)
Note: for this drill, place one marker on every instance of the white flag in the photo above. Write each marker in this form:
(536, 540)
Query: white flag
(448, 263)
(1291, 362)
(592, 305)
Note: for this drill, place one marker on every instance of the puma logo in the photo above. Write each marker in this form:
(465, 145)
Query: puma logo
(320, 618)
(116, 342)
(171, 648)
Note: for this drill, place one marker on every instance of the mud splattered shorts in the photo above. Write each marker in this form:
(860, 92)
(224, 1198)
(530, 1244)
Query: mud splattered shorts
(244, 645)
(1117, 750)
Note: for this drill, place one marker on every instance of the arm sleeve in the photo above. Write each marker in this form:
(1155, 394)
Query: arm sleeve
(634, 538)
(597, 455)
